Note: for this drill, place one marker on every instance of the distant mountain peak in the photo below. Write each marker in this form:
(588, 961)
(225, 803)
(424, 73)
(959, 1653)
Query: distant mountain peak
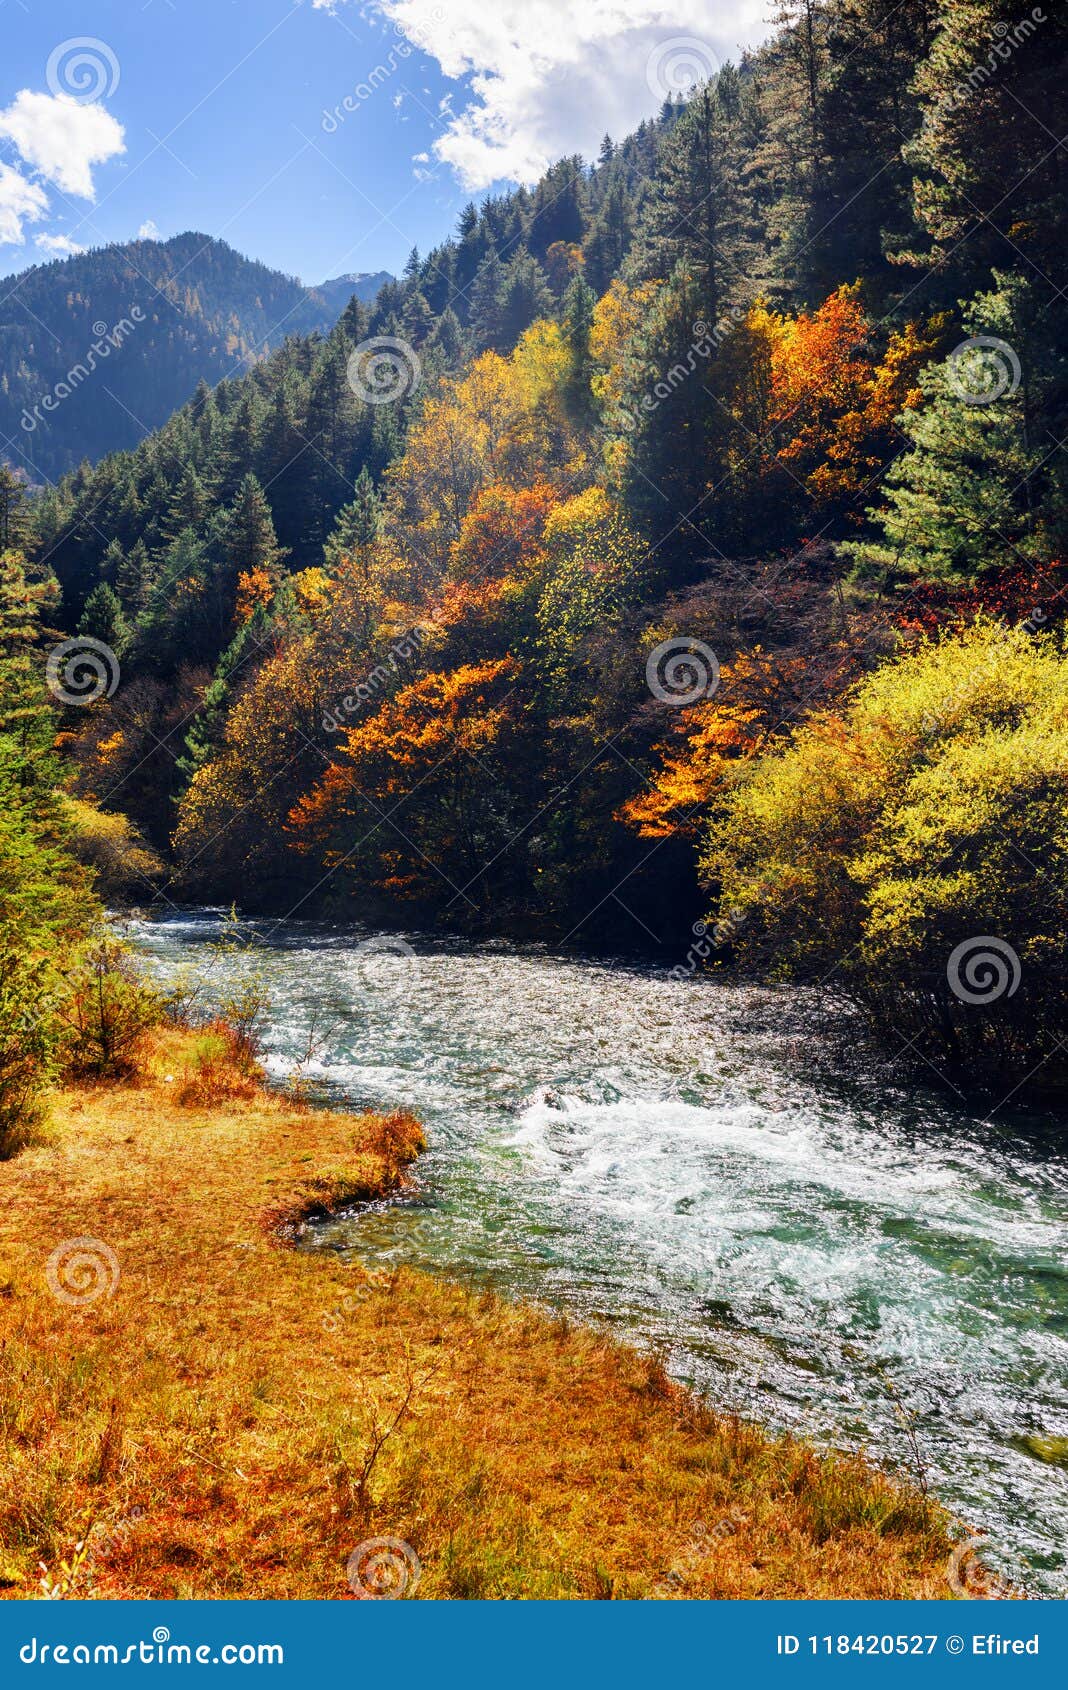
(363, 283)
(193, 307)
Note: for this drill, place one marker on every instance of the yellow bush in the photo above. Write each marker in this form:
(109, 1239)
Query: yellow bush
(914, 847)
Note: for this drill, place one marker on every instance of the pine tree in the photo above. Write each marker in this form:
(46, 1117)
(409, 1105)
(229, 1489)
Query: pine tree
(579, 303)
(418, 320)
(355, 529)
(870, 111)
(354, 321)
(558, 210)
(486, 306)
(525, 296)
(134, 578)
(978, 488)
(188, 507)
(695, 221)
(46, 908)
(14, 510)
(237, 663)
(103, 619)
(448, 340)
(610, 236)
(989, 180)
(247, 538)
(239, 446)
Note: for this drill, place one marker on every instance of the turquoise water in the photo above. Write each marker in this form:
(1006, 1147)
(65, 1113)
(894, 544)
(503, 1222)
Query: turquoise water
(666, 1157)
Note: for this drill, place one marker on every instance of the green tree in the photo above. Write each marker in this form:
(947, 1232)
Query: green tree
(247, 538)
(978, 486)
(356, 528)
(14, 510)
(46, 907)
(104, 619)
(989, 180)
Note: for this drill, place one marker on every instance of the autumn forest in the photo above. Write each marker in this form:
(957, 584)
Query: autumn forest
(649, 610)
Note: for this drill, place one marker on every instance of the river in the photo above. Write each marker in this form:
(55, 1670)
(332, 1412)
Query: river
(839, 1256)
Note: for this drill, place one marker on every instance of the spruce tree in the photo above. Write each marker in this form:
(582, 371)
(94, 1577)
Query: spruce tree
(525, 296)
(14, 510)
(978, 489)
(356, 527)
(104, 619)
(247, 537)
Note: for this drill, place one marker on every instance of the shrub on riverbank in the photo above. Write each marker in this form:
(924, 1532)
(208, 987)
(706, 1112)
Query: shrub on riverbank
(46, 905)
(208, 1413)
(913, 848)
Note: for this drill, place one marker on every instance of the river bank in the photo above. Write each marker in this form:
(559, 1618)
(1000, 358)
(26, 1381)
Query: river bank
(683, 1164)
(206, 1411)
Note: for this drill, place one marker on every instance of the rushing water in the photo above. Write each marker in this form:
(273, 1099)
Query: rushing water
(836, 1257)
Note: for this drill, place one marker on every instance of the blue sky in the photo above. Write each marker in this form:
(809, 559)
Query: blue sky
(230, 116)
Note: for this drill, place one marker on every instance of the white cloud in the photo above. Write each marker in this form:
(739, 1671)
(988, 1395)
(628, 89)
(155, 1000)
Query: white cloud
(61, 138)
(148, 231)
(550, 77)
(58, 246)
(20, 202)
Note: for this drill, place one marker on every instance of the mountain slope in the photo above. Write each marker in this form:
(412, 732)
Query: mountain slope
(340, 289)
(99, 349)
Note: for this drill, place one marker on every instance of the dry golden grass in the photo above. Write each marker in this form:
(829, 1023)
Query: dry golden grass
(238, 1416)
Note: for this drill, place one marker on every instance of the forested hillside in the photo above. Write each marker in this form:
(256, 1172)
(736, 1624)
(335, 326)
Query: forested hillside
(100, 348)
(513, 601)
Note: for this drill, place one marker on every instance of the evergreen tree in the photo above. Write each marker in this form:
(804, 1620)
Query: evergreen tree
(487, 291)
(558, 209)
(103, 619)
(247, 539)
(188, 507)
(989, 182)
(448, 340)
(978, 487)
(610, 236)
(356, 527)
(525, 296)
(237, 664)
(46, 908)
(869, 111)
(134, 578)
(14, 510)
(696, 221)
(579, 303)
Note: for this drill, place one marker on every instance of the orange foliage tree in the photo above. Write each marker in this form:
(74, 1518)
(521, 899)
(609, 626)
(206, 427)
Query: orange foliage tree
(758, 694)
(833, 404)
(408, 803)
